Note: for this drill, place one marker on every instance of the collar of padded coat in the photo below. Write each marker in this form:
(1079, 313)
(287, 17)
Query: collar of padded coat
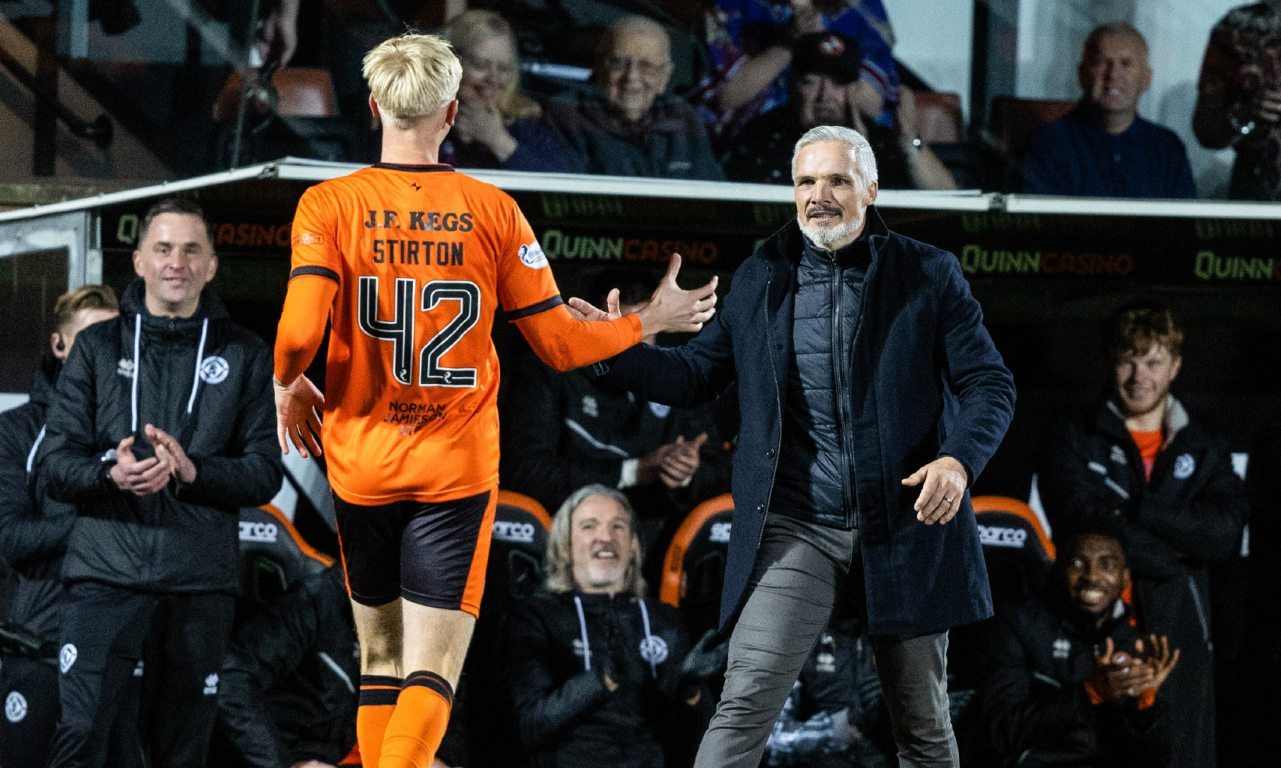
(134, 302)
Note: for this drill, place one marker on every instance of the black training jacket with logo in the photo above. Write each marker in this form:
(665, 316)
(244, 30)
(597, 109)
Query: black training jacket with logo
(204, 380)
(33, 527)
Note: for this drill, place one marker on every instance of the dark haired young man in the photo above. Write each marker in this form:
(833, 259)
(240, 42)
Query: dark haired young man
(1071, 681)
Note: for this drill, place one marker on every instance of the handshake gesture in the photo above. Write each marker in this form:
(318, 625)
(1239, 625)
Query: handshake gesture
(1118, 675)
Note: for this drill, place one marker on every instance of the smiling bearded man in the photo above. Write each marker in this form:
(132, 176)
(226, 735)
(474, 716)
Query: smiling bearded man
(600, 674)
(844, 341)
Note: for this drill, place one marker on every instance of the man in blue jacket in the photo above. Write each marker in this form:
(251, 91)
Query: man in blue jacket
(870, 397)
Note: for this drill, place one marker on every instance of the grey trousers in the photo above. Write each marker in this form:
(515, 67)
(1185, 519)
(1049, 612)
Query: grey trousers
(790, 597)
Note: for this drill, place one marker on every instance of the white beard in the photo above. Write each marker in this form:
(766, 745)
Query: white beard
(825, 236)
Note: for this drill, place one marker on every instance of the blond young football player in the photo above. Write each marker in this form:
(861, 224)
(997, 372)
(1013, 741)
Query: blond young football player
(409, 261)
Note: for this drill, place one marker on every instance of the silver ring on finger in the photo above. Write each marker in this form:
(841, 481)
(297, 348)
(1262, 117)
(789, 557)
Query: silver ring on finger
(949, 501)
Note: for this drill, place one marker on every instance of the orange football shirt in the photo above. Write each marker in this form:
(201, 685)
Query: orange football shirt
(423, 257)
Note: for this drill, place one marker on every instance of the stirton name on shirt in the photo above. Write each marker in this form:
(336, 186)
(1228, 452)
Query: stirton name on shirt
(410, 251)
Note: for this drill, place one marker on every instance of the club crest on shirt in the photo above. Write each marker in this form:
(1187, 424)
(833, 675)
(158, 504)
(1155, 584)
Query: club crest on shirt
(1118, 455)
(660, 410)
(1062, 648)
(532, 256)
(15, 707)
(67, 657)
(653, 649)
(214, 370)
(1184, 466)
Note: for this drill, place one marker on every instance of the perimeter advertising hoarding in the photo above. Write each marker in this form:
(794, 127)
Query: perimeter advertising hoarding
(1045, 280)
(600, 231)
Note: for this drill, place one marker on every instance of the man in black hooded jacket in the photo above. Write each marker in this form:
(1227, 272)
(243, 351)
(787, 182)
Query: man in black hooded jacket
(33, 538)
(161, 429)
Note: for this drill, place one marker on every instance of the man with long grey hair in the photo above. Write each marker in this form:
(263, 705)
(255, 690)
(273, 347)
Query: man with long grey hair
(602, 675)
(871, 396)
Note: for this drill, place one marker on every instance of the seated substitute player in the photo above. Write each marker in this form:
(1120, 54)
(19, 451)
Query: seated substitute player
(411, 260)
(1071, 682)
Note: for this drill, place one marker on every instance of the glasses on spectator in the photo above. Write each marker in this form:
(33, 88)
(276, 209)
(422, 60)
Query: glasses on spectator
(649, 70)
(502, 69)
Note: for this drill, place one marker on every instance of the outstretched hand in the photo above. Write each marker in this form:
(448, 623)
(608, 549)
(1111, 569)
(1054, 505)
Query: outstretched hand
(670, 309)
(584, 310)
(298, 415)
(673, 309)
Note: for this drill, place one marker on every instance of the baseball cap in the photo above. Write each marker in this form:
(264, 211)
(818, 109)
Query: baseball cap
(826, 53)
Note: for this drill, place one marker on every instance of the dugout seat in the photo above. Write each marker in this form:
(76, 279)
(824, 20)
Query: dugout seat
(273, 555)
(483, 717)
(1016, 548)
(521, 528)
(1018, 555)
(694, 566)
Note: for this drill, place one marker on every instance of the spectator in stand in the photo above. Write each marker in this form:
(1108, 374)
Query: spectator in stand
(834, 706)
(160, 430)
(601, 675)
(1239, 98)
(497, 126)
(750, 45)
(1102, 148)
(33, 538)
(1140, 459)
(628, 124)
(288, 693)
(1070, 681)
(825, 66)
(567, 430)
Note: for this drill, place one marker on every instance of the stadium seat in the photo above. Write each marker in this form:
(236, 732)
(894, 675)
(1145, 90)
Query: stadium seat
(694, 567)
(1018, 554)
(1014, 120)
(938, 117)
(300, 92)
(521, 528)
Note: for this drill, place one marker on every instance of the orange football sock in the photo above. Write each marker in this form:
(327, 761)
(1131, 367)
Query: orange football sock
(418, 724)
(378, 695)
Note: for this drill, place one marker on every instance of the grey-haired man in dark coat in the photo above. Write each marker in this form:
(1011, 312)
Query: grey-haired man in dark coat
(871, 396)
